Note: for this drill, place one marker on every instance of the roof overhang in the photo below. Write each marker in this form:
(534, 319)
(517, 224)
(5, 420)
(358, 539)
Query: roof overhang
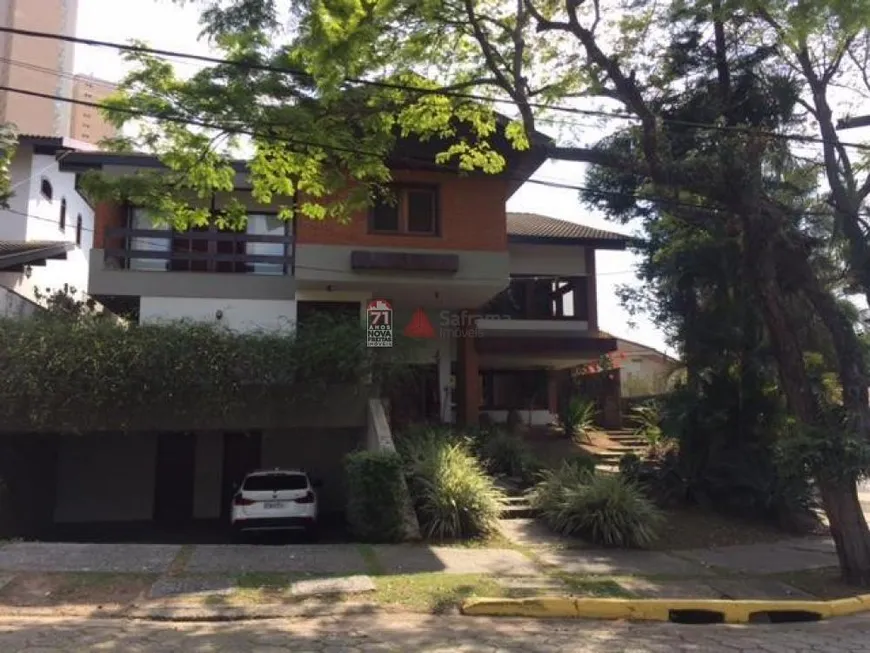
(51, 145)
(15, 255)
(594, 243)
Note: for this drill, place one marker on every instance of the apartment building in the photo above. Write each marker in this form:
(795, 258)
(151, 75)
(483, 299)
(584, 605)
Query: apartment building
(35, 64)
(88, 124)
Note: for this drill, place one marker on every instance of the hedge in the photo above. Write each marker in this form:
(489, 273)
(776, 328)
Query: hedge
(376, 494)
(72, 373)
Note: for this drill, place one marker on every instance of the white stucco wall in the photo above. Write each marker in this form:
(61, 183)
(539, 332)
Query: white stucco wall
(105, 478)
(42, 222)
(241, 315)
(556, 260)
(14, 305)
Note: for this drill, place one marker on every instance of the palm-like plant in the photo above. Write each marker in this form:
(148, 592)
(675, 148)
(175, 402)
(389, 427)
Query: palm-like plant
(577, 417)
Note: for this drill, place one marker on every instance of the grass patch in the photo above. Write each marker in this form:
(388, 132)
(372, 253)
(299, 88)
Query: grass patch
(260, 580)
(179, 563)
(605, 588)
(824, 583)
(435, 592)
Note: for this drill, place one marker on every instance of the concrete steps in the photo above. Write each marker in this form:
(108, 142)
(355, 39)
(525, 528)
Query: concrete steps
(516, 507)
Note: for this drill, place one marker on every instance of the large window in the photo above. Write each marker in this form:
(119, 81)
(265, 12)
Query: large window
(140, 219)
(266, 225)
(411, 210)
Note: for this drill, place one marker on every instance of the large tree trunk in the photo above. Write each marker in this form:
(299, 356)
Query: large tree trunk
(839, 497)
(848, 529)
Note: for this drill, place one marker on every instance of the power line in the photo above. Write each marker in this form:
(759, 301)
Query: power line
(206, 125)
(446, 92)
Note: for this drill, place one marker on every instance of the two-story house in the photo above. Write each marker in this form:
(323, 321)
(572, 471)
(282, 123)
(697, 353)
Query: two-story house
(509, 300)
(47, 230)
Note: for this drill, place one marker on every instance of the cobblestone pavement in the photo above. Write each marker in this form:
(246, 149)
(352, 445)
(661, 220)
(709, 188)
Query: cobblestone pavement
(402, 633)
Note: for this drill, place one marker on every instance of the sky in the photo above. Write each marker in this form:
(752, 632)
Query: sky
(167, 26)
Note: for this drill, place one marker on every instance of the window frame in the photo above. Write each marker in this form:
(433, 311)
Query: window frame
(401, 192)
(46, 182)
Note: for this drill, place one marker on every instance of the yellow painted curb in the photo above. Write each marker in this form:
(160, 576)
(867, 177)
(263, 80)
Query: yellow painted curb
(733, 612)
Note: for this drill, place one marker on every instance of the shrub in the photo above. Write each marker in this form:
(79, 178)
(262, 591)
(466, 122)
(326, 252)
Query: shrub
(577, 416)
(630, 467)
(647, 420)
(451, 492)
(376, 494)
(606, 509)
(509, 454)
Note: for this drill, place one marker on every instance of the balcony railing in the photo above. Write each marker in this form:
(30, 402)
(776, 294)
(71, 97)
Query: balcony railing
(199, 251)
(542, 298)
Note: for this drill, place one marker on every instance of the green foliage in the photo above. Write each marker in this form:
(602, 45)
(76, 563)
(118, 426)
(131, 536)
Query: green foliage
(8, 145)
(452, 494)
(577, 416)
(62, 372)
(508, 454)
(647, 419)
(376, 494)
(606, 509)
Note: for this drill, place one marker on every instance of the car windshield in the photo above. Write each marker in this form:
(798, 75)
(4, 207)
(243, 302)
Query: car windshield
(272, 482)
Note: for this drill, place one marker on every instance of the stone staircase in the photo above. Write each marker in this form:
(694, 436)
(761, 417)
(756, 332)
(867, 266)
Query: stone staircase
(515, 504)
(624, 441)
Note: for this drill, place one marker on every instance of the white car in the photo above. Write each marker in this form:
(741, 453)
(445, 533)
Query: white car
(277, 499)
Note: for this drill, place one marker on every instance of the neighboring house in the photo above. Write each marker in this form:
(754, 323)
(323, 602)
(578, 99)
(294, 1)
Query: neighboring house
(47, 232)
(504, 304)
(643, 370)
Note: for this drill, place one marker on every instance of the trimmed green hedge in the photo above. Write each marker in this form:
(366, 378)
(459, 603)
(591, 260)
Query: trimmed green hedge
(86, 373)
(376, 495)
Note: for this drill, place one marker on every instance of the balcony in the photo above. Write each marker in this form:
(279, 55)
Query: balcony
(199, 251)
(197, 263)
(540, 314)
(543, 298)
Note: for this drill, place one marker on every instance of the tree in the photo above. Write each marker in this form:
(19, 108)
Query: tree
(361, 79)
(8, 143)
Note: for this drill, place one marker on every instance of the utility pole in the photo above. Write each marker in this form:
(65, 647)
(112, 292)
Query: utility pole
(853, 123)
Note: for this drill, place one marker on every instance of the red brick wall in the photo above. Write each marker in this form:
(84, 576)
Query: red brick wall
(472, 214)
(107, 214)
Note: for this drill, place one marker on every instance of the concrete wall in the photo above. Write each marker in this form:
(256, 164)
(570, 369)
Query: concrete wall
(208, 475)
(242, 315)
(14, 305)
(556, 260)
(105, 478)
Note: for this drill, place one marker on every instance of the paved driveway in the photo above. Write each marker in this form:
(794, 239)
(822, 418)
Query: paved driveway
(423, 634)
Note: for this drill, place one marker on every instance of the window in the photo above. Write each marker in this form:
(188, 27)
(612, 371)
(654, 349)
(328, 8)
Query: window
(62, 222)
(519, 389)
(79, 229)
(140, 219)
(410, 210)
(275, 482)
(266, 225)
(46, 189)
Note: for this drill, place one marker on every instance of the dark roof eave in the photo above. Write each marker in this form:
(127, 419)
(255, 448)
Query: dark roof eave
(595, 243)
(26, 257)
